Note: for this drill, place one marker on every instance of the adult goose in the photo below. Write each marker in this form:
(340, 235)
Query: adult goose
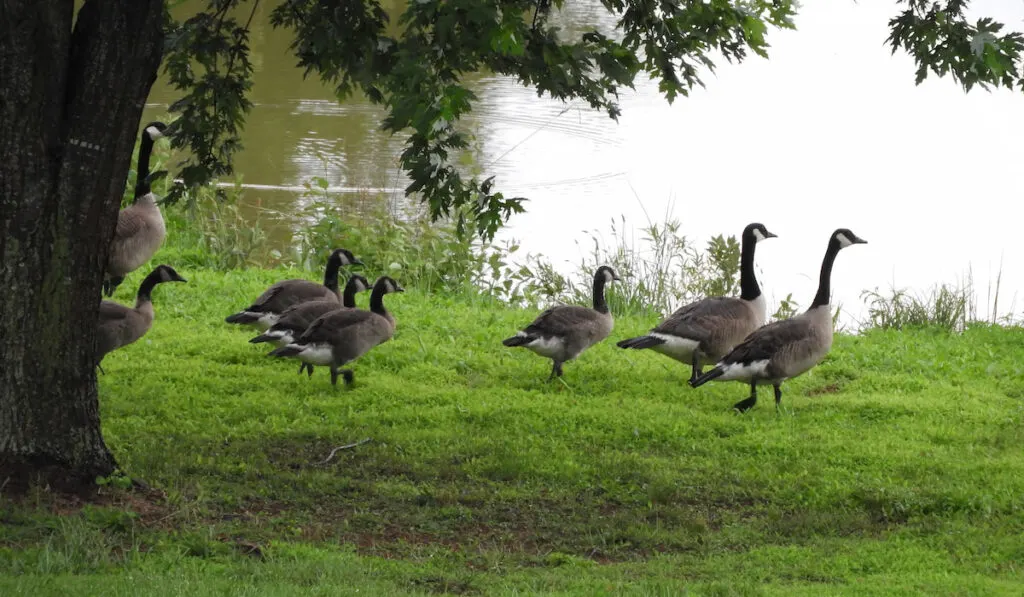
(140, 226)
(267, 308)
(120, 325)
(702, 332)
(295, 319)
(787, 348)
(343, 335)
(562, 333)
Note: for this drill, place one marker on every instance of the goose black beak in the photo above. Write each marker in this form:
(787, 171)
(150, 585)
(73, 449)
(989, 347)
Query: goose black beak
(770, 235)
(357, 262)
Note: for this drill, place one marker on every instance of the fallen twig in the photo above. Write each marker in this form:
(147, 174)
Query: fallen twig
(345, 447)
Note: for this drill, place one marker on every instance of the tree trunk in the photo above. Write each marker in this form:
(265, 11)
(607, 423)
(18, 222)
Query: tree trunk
(71, 96)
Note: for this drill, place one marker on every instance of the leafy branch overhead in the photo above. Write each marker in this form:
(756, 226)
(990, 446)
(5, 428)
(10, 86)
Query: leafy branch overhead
(943, 41)
(415, 67)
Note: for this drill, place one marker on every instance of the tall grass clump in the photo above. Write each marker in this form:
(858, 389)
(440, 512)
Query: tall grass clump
(401, 240)
(948, 306)
(663, 269)
(209, 230)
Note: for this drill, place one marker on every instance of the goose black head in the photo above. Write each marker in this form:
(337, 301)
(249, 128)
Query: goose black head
(358, 283)
(388, 284)
(155, 130)
(166, 273)
(155, 176)
(344, 257)
(757, 232)
(844, 237)
(607, 274)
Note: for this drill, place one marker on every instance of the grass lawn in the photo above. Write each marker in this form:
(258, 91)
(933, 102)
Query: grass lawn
(895, 467)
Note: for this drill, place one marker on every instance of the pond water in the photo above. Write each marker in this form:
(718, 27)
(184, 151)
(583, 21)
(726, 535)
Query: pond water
(830, 132)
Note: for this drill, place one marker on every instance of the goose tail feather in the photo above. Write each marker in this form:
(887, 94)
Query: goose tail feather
(518, 340)
(707, 376)
(285, 351)
(242, 317)
(639, 342)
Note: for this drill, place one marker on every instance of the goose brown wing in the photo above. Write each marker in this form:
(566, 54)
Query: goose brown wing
(111, 311)
(768, 341)
(299, 317)
(130, 222)
(325, 327)
(113, 322)
(286, 293)
(560, 321)
(699, 320)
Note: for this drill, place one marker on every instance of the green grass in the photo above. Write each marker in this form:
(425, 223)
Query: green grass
(895, 467)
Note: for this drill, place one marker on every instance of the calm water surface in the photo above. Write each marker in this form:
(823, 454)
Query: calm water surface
(831, 132)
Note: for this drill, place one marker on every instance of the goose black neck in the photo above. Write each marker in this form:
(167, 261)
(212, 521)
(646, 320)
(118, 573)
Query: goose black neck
(377, 299)
(824, 283)
(142, 186)
(331, 274)
(349, 300)
(146, 288)
(599, 303)
(749, 290)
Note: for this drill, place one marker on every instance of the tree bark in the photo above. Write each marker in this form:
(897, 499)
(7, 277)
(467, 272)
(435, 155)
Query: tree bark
(72, 92)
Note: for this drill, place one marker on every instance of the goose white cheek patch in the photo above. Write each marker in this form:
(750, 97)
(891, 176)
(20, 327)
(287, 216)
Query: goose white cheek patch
(843, 241)
(153, 132)
(759, 235)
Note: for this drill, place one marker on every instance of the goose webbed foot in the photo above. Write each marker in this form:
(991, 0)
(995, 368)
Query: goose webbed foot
(778, 396)
(556, 371)
(745, 405)
(306, 367)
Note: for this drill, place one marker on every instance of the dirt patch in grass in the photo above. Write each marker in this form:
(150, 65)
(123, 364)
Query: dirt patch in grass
(150, 505)
(832, 388)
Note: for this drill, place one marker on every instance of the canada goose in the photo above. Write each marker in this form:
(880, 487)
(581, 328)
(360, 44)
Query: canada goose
(267, 308)
(561, 333)
(784, 349)
(704, 331)
(120, 325)
(295, 319)
(140, 227)
(343, 335)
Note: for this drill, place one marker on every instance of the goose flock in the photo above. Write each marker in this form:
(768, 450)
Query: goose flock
(320, 324)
